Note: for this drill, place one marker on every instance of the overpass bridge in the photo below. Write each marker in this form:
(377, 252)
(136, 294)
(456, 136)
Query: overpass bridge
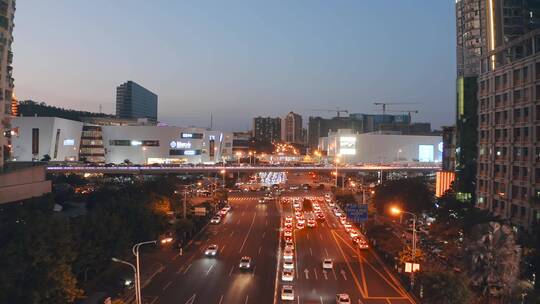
(153, 170)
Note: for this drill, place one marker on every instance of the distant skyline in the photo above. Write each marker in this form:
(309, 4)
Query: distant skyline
(239, 59)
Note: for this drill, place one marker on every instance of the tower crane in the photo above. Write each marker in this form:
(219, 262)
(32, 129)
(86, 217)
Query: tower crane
(384, 104)
(409, 112)
(337, 110)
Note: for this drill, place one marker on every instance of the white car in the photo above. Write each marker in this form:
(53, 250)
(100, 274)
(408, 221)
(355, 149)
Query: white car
(215, 220)
(245, 263)
(343, 298)
(353, 233)
(287, 275)
(289, 244)
(287, 293)
(327, 264)
(288, 254)
(347, 225)
(288, 264)
(211, 250)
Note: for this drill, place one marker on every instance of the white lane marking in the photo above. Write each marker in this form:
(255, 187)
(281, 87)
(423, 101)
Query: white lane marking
(192, 299)
(222, 248)
(232, 233)
(247, 297)
(230, 272)
(209, 269)
(334, 272)
(243, 212)
(325, 274)
(315, 271)
(343, 274)
(266, 223)
(220, 299)
(247, 235)
(320, 297)
(167, 285)
(260, 247)
(154, 300)
(306, 272)
(320, 236)
(238, 223)
(307, 235)
(310, 251)
(264, 234)
(253, 272)
(187, 268)
(326, 251)
(298, 297)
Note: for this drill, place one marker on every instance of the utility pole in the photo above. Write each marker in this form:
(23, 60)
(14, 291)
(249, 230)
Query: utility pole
(185, 204)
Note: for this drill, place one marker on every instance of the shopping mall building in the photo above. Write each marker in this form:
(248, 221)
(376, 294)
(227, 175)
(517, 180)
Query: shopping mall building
(110, 142)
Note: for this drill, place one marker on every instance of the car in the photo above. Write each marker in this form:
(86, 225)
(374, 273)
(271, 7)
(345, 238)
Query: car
(296, 204)
(287, 247)
(300, 225)
(320, 216)
(261, 201)
(301, 220)
(311, 223)
(288, 264)
(289, 244)
(360, 242)
(287, 232)
(215, 220)
(211, 250)
(287, 275)
(343, 298)
(347, 225)
(287, 293)
(287, 238)
(288, 225)
(343, 220)
(288, 218)
(227, 207)
(245, 262)
(223, 212)
(327, 264)
(331, 203)
(353, 233)
(288, 254)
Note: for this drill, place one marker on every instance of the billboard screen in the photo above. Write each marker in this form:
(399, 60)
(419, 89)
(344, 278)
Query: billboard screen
(347, 145)
(425, 153)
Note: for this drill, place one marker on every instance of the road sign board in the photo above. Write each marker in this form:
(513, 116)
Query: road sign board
(357, 213)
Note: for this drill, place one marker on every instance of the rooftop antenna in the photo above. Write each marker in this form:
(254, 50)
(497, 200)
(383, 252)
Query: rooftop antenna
(211, 120)
(100, 109)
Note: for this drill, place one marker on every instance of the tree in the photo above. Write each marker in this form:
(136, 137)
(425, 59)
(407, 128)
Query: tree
(440, 287)
(493, 259)
(36, 253)
(411, 194)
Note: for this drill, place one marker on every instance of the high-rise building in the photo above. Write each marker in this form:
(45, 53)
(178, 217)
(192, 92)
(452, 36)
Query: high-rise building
(134, 101)
(509, 131)
(266, 129)
(469, 43)
(7, 13)
(291, 129)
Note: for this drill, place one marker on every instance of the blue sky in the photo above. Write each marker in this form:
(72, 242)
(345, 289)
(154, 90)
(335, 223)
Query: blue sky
(239, 59)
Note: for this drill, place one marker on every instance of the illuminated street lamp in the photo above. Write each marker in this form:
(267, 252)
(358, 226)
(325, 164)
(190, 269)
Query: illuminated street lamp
(223, 173)
(337, 162)
(238, 156)
(397, 211)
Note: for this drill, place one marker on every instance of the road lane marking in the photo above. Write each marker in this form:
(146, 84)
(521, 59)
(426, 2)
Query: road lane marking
(232, 233)
(343, 274)
(259, 253)
(306, 272)
(192, 299)
(326, 251)
(334, 272)
(298, 298)
(230, 272)
(222, 248)
(320, 297)
(154, 300)
(310, 251)
(307, 235)
(243, 212)
(315, 271)
(238, 223)
(247, 297)
(325, 274)
(264, 234)
(187, 268)
(167, 285)
(220, 299)
(266, 223)
(320, 236)
(210, 269)
(253, 272)
(247, 235)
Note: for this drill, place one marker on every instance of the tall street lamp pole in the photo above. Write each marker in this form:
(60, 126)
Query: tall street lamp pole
(134, 276)
(396, 211)
(135, 251)
(337, 162)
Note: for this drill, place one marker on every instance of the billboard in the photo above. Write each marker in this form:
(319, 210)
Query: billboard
(425, 153)
(347, 145)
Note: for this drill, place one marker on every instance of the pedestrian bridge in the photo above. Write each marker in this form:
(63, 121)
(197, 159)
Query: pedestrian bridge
(152, 170)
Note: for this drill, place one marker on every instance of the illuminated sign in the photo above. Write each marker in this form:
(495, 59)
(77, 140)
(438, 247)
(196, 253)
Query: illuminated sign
(136, 142)
(69, 142)
(190, 152)
(347, 145)
(180, 145)
(425, 153)
(440, 146)
(187, 135)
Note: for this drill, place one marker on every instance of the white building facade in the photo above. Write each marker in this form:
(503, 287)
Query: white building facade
(354, 148)
(139, 144)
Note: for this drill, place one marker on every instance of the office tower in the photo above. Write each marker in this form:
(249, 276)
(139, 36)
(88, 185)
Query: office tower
(291, 128)
(7, 13)
(509, 131)
(266, 129)
(134, 101)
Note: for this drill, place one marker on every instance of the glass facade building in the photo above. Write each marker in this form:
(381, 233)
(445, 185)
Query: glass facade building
(135, 101)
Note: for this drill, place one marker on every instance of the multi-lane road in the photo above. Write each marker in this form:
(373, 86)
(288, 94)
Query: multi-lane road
(253, 229)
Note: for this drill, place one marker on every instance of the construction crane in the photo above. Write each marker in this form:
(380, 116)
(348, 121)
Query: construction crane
(409, 112)
(384, 104)
(337, 110)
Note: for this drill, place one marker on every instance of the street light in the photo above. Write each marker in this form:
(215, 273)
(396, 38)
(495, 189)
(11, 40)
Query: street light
(223, 173)
(397, 211)
(136, 268)
(337, 162)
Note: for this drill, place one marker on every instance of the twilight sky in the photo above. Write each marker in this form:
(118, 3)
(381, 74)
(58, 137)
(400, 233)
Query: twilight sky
(239, 59)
